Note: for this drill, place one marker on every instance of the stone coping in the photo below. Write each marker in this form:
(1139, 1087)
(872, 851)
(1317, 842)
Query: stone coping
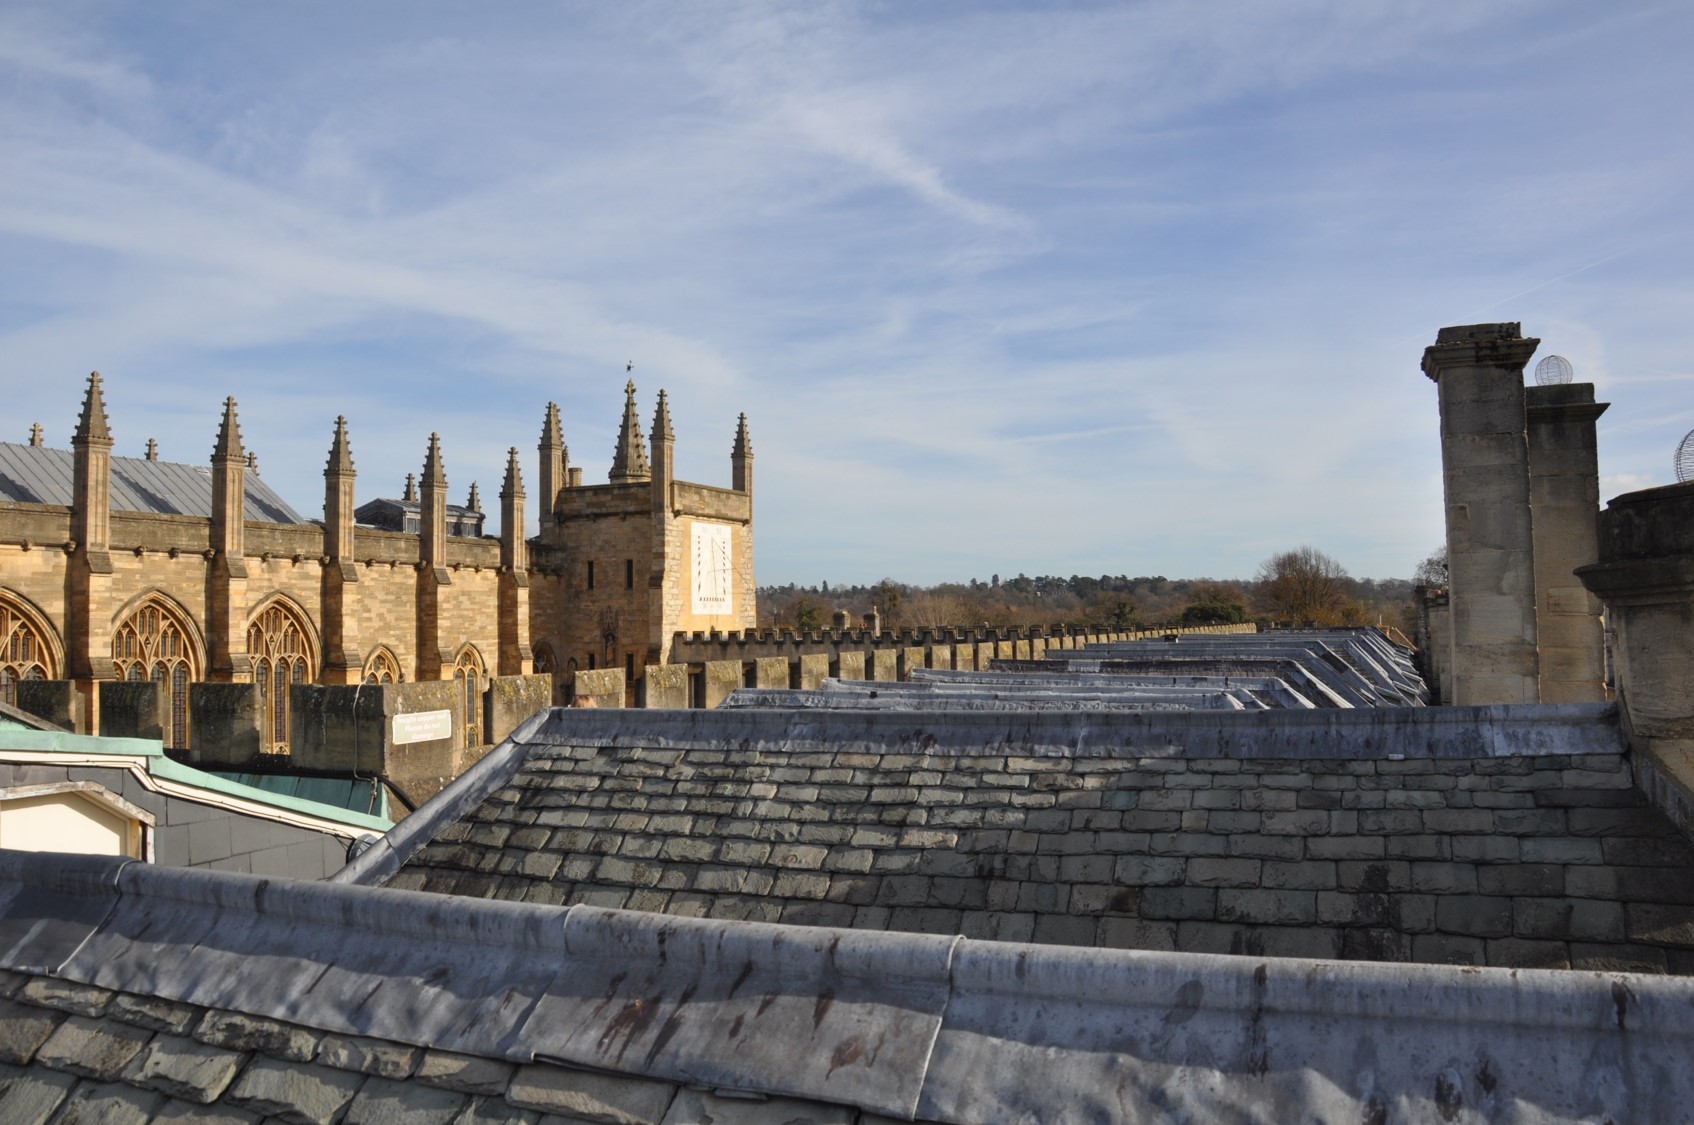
(1501, 730)
(944, 1029)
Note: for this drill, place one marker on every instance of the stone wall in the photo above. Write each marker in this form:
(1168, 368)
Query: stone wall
(937, 644)
(164, 556)
(1645, 575)
(608, 527)
(1551, 860)
(131, 709)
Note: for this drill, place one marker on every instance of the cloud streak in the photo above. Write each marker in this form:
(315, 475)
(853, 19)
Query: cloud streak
(1093, 288)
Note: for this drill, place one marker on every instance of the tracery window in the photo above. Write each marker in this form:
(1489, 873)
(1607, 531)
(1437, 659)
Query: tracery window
(467, 678)
(544, 663)
(382, 667)
(281, 649)
(24, 652)
(153, 644)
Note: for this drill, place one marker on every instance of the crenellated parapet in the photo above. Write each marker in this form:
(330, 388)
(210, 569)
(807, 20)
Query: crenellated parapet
(949, 643)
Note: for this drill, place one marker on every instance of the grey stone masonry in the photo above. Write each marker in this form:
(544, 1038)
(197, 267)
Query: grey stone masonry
(1549, 861)
(71, 1052)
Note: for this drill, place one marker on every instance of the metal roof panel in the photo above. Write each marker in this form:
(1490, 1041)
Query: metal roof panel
(33, 474)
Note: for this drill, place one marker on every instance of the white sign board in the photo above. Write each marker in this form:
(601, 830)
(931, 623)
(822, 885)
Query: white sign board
(714, 573)
(423, 726)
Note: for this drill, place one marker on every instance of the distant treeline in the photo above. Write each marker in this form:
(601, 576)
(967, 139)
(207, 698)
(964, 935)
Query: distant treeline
(1116, 601)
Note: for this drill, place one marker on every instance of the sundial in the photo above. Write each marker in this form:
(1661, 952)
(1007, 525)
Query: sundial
(714, 570)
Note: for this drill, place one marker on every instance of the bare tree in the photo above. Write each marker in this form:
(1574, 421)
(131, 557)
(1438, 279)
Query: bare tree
(1433, 570)
(1304, 586)
(929, 610)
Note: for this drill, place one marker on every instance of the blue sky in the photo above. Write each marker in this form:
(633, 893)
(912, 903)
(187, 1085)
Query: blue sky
(1071, 288)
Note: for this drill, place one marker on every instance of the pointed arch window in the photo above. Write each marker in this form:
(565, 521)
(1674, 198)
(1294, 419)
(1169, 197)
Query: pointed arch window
(467, 678)
(281, 650)
(153, 643)
(544, 663)
(24, 651)
(382, 668)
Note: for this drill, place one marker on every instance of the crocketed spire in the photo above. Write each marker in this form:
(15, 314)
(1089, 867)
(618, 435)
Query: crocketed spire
(229, 435)
(743, 443)
(629, 460)
(475, 502)
(434, 473)
(662, 421)
(411, 492)
(513, 484)
(552, 433)
(91, 423)
(340, 452)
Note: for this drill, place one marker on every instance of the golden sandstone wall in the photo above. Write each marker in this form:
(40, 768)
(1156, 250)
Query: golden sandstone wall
(366, 600)
(157, 556)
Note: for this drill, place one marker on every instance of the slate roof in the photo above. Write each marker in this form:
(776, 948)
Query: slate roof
(391, 515)
(91, 1054)
(136, 993)
(32, 474)
(1329, 668)
(1210, 831)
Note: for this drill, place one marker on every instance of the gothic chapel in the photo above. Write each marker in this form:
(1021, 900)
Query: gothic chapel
(133, 568)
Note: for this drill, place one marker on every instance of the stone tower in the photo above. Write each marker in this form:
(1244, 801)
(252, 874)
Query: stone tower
(645, 555)
(1521, 488)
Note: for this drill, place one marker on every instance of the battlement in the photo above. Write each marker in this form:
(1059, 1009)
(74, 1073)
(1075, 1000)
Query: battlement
(1018, 643)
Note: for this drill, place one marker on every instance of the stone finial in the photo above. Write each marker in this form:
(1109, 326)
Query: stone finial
(340, 451)
(743, 444)
(253, 463)
(662, 420)
(513, 484)
(229, 434)
(552, 433)
(35, 434)
(152, 450)
(475, 501)
(91, 425)
(411, 493)
(629, 459)
(434, 473)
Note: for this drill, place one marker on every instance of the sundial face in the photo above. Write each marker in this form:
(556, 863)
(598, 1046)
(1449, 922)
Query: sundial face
(714, 587)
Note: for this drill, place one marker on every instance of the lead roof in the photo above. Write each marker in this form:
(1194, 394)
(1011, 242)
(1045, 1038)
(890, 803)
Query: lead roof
(40, 475)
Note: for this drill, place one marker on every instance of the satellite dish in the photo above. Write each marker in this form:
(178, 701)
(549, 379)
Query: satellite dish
(1685, 458)
(1553, 370)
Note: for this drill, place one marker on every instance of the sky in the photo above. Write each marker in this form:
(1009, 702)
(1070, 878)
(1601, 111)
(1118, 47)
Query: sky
(1097, 288)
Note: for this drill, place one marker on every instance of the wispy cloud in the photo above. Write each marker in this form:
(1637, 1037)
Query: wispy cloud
(1084, 287)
